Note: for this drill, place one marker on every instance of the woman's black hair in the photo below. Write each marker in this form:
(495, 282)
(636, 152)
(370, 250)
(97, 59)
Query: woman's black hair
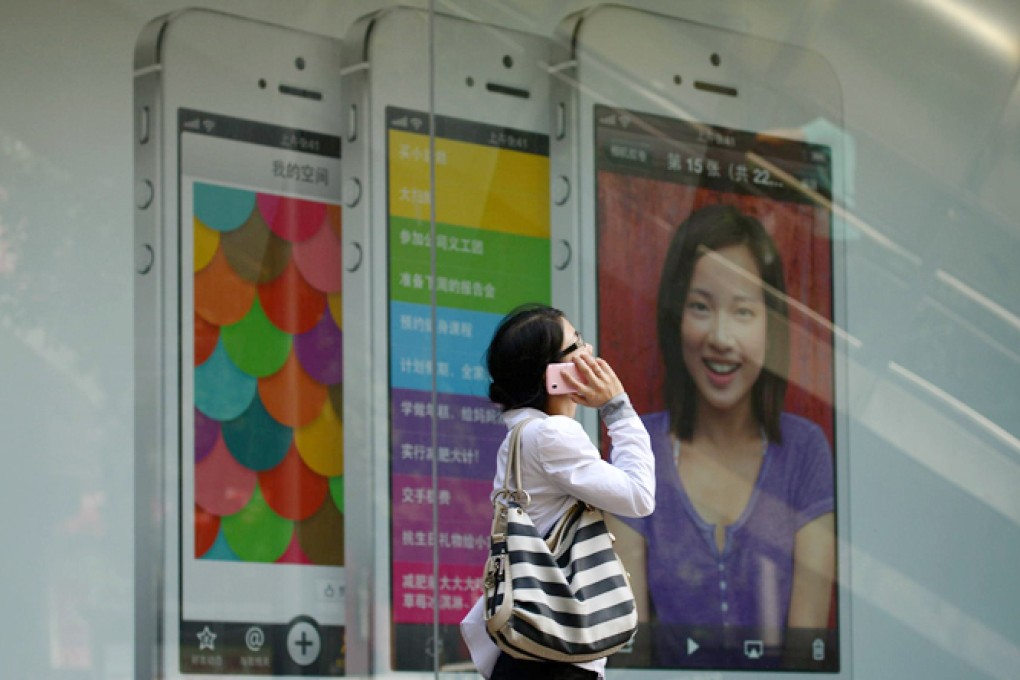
(711, 229)
(526, 341)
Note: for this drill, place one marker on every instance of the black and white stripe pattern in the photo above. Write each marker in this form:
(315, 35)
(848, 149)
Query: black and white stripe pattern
(563, 598)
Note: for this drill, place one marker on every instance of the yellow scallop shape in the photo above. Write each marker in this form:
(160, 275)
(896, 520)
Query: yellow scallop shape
(206, 242)
(321, 443)
(336, 308)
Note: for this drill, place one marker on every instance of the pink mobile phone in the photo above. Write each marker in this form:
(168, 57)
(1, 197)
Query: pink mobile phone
(554, 382)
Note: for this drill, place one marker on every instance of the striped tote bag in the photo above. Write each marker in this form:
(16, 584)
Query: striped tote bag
(565, 597)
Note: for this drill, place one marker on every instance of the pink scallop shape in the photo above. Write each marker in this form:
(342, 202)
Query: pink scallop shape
(318, 260)
(294, 554)
(292, 219)
(267, 205)
(222, 485)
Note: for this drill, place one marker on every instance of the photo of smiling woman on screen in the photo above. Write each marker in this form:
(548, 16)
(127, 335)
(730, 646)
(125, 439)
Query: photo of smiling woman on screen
(741, 546)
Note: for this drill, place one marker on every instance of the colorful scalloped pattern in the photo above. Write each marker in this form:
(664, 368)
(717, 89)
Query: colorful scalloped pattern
(268, 378)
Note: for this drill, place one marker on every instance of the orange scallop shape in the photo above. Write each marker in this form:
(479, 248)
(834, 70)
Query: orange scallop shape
(291, 396)
(292, 489)
(221, 296)
(290, 302)
(206, 337)
(207, 526)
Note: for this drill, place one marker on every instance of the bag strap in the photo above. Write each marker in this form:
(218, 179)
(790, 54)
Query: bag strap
(513, 466)
(497, 545)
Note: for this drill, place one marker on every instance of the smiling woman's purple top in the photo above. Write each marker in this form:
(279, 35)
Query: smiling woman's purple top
(748, 584)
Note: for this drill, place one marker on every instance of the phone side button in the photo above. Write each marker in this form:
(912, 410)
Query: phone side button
(145, 258)
(144, 194)
(352, 192)
(352, 122)
(562, 254)
(561, 120)
(143, 125)
(561, 190)
(353, 256)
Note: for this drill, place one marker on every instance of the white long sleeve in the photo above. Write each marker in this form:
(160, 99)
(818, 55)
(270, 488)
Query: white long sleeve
(560, 464)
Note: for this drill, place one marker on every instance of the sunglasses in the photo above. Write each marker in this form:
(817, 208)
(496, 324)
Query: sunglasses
(578, 344)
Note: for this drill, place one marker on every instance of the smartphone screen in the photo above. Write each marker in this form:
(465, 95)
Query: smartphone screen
(721, 601)
(491, 249)
(261, 485)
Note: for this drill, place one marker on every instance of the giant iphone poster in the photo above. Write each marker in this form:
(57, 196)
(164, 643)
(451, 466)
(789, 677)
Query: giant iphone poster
(724, 594)
(262, 467)
(488, 253)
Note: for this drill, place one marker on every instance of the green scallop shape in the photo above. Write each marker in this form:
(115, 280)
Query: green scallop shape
(336, 491)
(255, 345)
(256, 533)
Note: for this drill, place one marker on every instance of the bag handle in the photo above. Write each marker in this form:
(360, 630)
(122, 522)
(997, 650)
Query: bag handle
(513, 465)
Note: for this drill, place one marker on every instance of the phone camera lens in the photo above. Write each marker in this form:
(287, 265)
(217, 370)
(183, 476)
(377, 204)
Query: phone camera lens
(470, 81)
(677, 80)
(715, 59)
(300, 63)
(262, 83)
(508, 61)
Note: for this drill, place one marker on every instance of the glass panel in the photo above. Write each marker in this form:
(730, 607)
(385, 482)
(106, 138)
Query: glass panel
(332, 205)
(490, 244)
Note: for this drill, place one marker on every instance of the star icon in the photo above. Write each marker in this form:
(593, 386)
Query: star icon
(206, 639)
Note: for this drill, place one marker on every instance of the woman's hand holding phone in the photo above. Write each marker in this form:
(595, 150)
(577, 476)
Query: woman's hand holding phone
(598, 381)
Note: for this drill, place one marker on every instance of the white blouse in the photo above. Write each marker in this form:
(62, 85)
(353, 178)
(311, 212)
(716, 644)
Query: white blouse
(560, 465)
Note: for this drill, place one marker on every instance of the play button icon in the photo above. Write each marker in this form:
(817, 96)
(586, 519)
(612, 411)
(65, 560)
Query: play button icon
(692, 646)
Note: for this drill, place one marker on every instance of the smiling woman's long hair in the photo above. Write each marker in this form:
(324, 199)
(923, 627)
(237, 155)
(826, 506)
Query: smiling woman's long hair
(711, 229)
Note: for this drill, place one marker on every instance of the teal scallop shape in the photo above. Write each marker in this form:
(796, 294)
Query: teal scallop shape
(256, 439)
(223, 208)
(336, 492)
(255, 345)
(222, 390)
(220, 550)
(256, 533)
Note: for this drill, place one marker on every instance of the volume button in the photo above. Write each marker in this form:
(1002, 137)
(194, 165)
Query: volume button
(144, 193)
(352, 123)
(561, 190)
(143, 125)
(351, 192)
(145, 257)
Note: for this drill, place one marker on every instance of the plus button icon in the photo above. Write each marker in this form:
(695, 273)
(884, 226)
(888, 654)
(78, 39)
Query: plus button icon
(303, 642)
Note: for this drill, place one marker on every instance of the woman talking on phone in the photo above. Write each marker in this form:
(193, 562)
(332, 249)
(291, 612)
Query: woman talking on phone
(741, 543)
(559, 463)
